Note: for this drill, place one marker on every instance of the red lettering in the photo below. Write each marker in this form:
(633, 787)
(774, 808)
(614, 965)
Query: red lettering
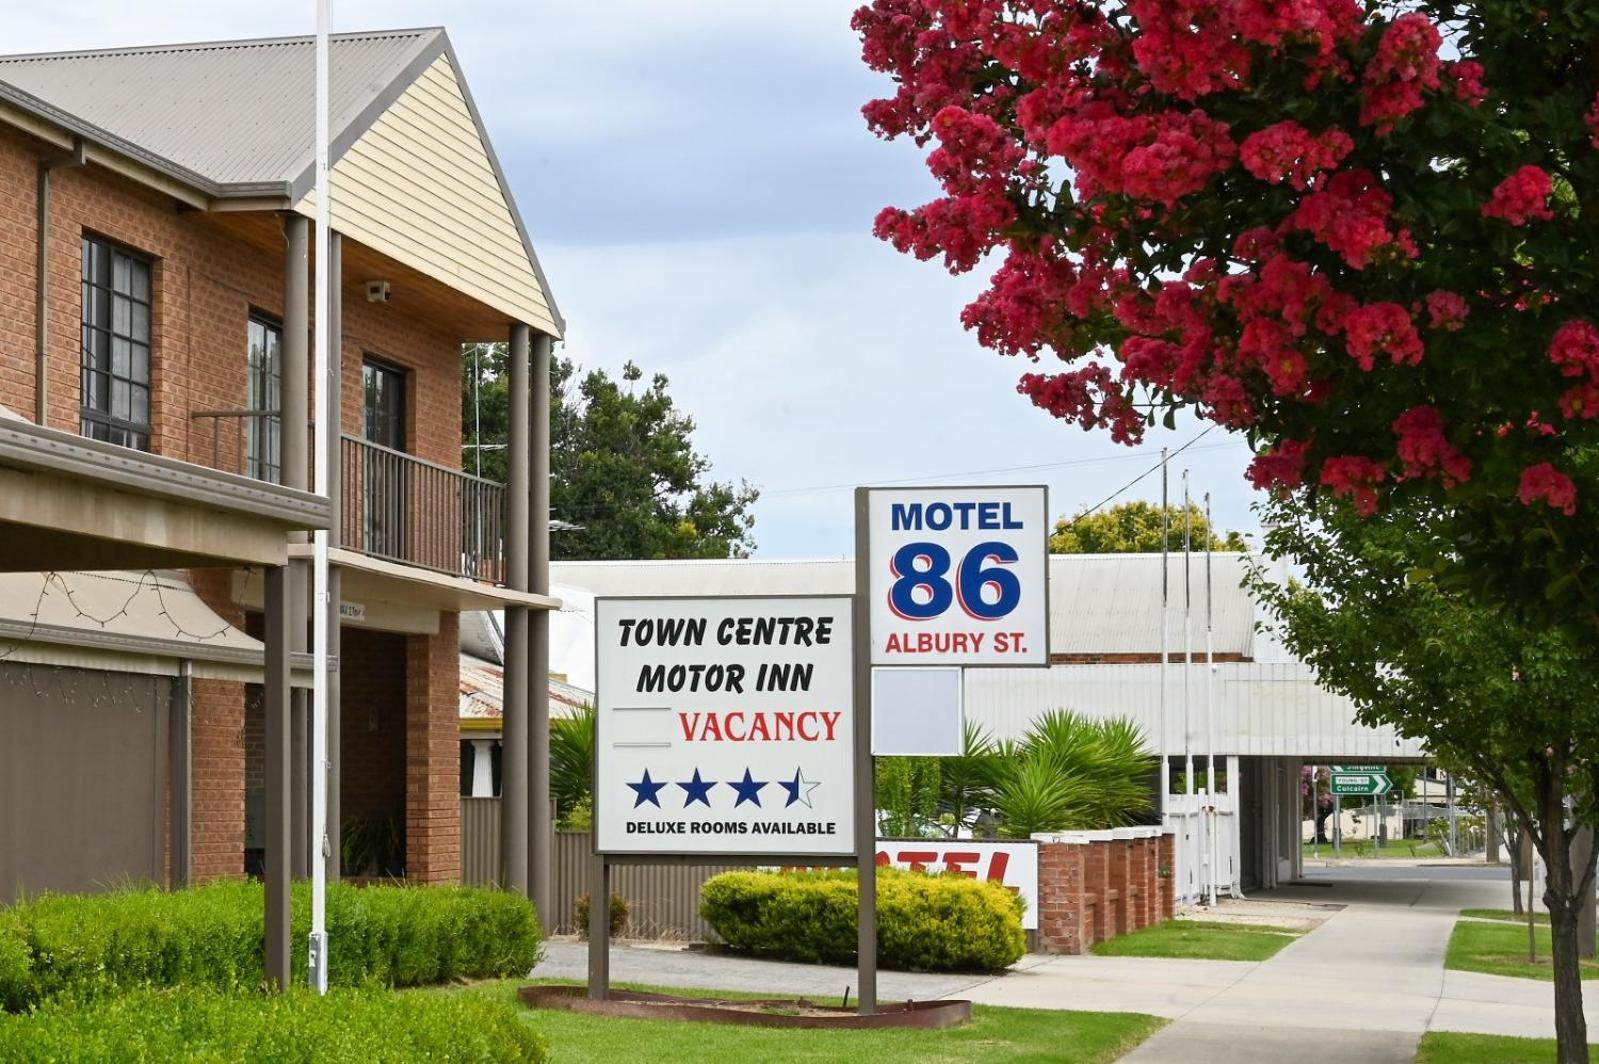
(882, 859)
(831, 721)
(957, 860)
(712, 729)
(688, 720)
(759, 729)
(918, 859)
(783, 725)
(731, 717)
(800, 721)
(997, 866)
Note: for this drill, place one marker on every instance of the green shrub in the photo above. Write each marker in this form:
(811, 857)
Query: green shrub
(212, 936)
(14, 963)
(924, 922)
(368, 1024)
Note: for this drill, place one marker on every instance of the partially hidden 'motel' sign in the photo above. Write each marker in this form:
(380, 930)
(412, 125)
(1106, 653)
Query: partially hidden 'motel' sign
(724, 726)
(958, 576)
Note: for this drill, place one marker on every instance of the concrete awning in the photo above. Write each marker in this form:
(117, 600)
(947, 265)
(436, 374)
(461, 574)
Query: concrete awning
(125, 621)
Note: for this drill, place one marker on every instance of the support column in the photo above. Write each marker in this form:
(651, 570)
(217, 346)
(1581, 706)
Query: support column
(332, 439)
(276, 707)
(180, 787)
(541, 826)
(294, 393)
(514, 791)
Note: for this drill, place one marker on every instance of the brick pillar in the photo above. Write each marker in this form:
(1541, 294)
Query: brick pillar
(1060, 898)
(1148, 883)
(218, 754)
(433, 754)
(1121, 881)
(1167, 860)
(1096, 882)
(217, 750)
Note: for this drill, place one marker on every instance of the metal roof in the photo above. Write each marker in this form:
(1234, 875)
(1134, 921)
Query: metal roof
(1099, 603)
(230, 112)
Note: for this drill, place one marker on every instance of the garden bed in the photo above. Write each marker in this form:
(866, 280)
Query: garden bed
(749, 1012)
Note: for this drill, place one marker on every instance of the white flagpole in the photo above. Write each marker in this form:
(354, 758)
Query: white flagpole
(1210, 707)
(1190, 808)
(1165, 635)
(319, 558)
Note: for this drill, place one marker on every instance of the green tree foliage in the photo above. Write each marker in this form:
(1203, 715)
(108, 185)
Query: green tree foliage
(1137, 528)
(622, 463)
(1511, 702)
(908, 795)
(572, 764)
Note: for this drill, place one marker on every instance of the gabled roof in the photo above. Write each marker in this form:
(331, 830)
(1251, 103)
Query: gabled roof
(237, 119)
(230, 112)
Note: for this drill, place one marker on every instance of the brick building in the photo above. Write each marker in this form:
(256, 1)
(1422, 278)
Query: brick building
(155, 457)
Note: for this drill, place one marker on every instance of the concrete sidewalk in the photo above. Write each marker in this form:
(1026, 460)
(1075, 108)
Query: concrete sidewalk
(1362, 987)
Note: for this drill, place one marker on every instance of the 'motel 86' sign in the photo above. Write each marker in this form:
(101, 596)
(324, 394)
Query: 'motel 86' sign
(959, 576)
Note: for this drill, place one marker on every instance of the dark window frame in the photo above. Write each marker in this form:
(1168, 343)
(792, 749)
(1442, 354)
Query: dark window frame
(401, 416)
(114, 363)
(264, 391)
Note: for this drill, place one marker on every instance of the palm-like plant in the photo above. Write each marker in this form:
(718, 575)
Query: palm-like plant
(1072, 773)
(966, 783)
(572, 758)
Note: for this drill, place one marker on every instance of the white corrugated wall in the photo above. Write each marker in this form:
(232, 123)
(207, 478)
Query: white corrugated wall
(1267, 710)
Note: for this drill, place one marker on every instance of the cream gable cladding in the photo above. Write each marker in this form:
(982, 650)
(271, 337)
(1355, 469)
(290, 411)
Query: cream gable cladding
(419, 187)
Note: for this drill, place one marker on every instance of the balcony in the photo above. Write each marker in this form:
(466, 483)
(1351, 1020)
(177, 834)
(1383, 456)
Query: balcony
(400, 508)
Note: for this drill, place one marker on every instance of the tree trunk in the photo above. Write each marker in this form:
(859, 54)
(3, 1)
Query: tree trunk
(1571, 1025)
(1517, 870)
(1493, 833)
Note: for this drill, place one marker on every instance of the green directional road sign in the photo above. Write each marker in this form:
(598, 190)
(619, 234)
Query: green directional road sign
(1359, 768)
(1368, 784)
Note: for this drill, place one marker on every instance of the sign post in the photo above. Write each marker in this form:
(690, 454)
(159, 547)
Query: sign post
(725, 728)
(944, 576)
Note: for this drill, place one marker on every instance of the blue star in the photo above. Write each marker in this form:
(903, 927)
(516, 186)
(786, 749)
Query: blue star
(696, 790)
(749, 790)
(794, 786)
(646, 790)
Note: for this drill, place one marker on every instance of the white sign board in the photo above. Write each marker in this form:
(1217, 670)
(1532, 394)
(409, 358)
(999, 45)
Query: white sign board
(724, 726)
(959, 576)
(1014, 864)
(917, 713)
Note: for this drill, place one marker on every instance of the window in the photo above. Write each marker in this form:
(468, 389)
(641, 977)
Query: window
(387, 475)
(384, 386)
(115, 400)
(264, 435)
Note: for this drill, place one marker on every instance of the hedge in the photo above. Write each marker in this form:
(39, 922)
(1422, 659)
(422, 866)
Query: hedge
(367, 1024)
(211, 936)
(924, 922)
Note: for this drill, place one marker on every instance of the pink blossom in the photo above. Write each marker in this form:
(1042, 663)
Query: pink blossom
(1353, 476)
(1426, 451)
(1282, 467)
(1447, 311)
(1349, 213)
(1521, 196)
(1378, 328)
(1575, 348)
(1404, 65)
(1467, 76)
(1288, 152)
(1544, 483)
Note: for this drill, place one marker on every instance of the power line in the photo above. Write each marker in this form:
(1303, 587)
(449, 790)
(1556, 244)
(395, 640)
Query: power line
(1153, 469)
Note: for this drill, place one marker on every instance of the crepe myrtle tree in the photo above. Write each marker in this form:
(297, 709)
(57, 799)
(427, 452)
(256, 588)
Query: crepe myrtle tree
(1362, 234)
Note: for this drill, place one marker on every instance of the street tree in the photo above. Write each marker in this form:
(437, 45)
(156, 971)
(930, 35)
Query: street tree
(1138, 527)
(623, 467)
(1358, 234)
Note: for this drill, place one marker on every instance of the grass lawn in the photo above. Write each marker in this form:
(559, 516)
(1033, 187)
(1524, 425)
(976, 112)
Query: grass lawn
(1504, 916)
(1396, 849)
(1442, 1047)
(994, 1034)
(1501, 949)
(1200, 940)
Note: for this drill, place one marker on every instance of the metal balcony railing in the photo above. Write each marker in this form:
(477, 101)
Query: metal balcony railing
(404, 509)
(395, 506)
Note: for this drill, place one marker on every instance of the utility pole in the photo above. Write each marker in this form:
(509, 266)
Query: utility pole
(1190, 811)
(1210, 711)
(1165, 625)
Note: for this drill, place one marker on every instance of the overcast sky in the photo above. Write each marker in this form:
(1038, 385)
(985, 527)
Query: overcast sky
(700, 188)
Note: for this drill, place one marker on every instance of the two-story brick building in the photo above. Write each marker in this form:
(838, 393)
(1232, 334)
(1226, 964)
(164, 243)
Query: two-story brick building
(155, 280)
